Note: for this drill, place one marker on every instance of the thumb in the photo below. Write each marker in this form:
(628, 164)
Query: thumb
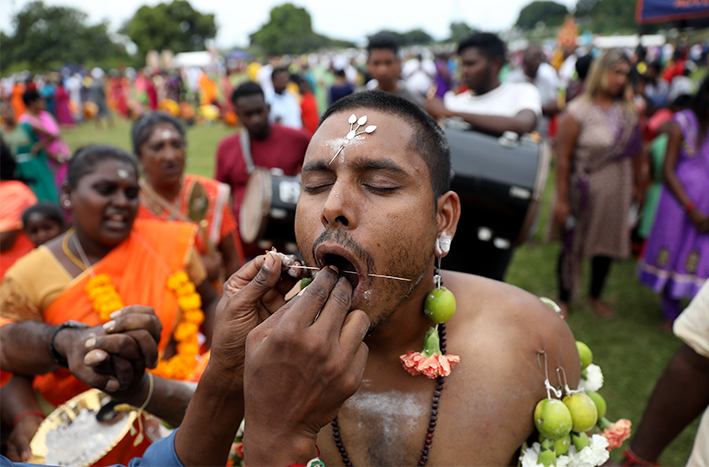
(265, 280)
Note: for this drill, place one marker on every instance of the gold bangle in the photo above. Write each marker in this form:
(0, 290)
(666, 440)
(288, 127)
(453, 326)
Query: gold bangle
(150, 392)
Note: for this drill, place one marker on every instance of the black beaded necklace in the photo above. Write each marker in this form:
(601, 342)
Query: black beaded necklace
(431, 424)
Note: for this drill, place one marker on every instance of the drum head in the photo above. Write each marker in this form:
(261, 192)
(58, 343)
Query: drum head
(63, 437)
(255, 206)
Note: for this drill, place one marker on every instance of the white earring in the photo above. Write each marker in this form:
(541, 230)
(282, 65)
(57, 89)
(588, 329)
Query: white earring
(443, 243)
(67, 203)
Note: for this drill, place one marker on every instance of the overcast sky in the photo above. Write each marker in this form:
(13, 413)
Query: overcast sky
(351, 20)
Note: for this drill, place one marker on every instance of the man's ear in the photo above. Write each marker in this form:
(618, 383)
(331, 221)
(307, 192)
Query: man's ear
(448, 216)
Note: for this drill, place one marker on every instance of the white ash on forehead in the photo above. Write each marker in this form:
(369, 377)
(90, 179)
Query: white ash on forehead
(77, 443)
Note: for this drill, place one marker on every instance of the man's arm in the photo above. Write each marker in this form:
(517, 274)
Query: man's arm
(681, 394)
(524, 122)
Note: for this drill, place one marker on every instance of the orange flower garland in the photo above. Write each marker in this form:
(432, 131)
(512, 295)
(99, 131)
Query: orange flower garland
(105, 299)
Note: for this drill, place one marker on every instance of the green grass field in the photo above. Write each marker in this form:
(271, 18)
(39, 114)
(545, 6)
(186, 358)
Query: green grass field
(630, 350)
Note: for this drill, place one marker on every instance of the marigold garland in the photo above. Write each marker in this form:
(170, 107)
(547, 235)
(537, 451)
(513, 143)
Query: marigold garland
(105, 300)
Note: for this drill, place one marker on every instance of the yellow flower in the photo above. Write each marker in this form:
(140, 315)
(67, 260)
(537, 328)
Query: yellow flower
(178, 279)
(189, 302)
(186, 289)
(196, 317)
(184, 330)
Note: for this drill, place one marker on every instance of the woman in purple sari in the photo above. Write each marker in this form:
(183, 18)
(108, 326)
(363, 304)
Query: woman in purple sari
(676, 259)
(597, 170)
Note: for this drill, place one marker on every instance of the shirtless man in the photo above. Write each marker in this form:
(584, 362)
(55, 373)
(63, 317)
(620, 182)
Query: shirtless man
(376, 209)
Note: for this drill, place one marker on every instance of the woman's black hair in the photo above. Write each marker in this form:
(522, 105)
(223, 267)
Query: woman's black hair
(8, 165)
(85, 159)
(143, 127)
(49, 210)
(700, 107)
(30, 96)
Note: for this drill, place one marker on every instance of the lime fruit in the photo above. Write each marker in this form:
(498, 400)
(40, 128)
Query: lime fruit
(585, 354)
(600, 403)
(439, 305)
(552, 419)
(305, 282)
(583, 411)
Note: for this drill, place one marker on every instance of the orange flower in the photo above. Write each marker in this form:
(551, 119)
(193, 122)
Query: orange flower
(195, 317)
(617, 433)
(436, 365)
(237, 449)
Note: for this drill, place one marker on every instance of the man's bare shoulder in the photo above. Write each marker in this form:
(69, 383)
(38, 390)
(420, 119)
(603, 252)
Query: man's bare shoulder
(518, 318)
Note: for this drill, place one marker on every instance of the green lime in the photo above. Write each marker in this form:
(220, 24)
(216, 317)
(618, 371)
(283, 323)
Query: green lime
(585, 354)
(439, 305)
(561, 446)
(305, 282)
(583, 411)
(600, 403)
(552, 419)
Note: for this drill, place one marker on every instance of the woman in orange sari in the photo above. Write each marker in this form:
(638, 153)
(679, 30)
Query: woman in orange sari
(159, 143)
(107, 261)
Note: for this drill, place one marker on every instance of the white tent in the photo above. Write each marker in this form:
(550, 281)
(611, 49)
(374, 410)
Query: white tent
(192, 59)
(628, 42)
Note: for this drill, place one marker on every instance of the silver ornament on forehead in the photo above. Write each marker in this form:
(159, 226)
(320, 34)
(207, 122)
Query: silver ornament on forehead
(352, 134)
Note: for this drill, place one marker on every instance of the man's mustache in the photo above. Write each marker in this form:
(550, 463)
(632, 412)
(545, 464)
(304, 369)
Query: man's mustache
(344, 240)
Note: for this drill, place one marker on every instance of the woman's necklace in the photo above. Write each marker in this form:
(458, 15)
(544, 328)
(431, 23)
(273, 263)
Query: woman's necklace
(65, 247)
(431, 424)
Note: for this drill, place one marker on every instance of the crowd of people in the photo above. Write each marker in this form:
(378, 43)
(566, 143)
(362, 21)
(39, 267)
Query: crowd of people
(114, 235)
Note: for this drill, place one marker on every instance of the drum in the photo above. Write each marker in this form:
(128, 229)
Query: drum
(268, 207)
(500, 182)
(71, 435)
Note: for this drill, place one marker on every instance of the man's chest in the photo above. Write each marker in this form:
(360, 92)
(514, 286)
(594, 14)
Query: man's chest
(477, 426)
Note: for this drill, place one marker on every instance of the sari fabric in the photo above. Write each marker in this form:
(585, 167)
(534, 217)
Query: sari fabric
(676, 257)
(220, 219)
(57, 150)
(138, 267)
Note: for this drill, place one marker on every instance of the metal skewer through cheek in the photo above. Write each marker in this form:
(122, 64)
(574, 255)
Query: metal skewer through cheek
(353, 272)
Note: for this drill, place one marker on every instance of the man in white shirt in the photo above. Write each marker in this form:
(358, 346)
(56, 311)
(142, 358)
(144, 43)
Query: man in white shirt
(285, 109)
(488, 105)
(535, 70)
(419, 74)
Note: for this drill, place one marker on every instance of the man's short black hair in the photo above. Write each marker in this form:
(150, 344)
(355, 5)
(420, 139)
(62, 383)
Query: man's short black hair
(428, 138)
(489, 45)
(246, 89)
(383, 40)
(280, 69)
(49, 210)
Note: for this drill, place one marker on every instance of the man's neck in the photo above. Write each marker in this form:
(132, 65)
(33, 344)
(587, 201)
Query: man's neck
(389, 87)
(493, 85)
(262, 136)
(405, 329)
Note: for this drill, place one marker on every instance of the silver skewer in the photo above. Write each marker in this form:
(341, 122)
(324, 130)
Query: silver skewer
(353, 272)
(338, 152)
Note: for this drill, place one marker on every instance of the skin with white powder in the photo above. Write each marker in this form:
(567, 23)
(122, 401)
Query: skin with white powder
(443, 244)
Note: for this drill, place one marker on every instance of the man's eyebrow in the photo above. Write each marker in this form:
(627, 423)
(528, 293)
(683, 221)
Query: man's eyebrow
(315, 166)
(379, 164)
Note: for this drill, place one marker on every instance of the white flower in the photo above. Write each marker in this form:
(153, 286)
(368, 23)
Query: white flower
(240, 431)
(529, 455)
(563, 461)
(594, 378)
(591, 456)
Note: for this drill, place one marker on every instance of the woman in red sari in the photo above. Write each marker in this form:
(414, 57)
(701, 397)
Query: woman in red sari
(107, 261)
